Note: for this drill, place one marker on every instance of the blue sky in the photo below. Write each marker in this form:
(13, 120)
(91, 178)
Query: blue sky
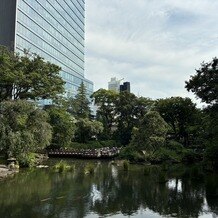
(154, 44)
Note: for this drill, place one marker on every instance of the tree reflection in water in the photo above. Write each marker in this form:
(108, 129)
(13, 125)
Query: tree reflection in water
(151, 191)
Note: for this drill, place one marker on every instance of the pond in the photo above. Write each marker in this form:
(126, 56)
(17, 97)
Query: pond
(141, 191)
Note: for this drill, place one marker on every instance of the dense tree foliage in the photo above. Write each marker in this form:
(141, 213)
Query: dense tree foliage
(205, 82)
(28, 77)
(143, 105)
(120, 112)
(212, 134)
(87, 130)
(79, 106)
(23, 129)
(63, 127)
(182, 116)
(125, 112)
(105, 100)
(151, 133)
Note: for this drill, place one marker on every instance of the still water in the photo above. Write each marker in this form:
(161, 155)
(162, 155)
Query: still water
(142, 191)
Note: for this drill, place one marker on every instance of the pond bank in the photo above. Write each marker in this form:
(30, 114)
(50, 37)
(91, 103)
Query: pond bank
(6, 172)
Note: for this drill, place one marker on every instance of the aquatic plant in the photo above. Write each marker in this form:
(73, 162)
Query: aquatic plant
(62, 166)
(89, 169)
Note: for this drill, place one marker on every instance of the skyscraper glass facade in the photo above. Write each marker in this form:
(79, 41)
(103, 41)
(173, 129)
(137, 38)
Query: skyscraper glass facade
(54, 29)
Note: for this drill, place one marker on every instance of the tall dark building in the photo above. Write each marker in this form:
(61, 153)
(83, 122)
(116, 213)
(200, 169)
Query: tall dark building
(53, 29)
(125, 87)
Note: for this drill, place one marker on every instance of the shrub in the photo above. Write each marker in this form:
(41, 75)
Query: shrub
(27, 160)
(88, 145)
(174, 145)
(110, 143)
(163, 155)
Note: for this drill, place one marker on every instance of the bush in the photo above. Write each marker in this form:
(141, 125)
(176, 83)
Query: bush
(126, 153)
(132, 155)
(88, 145)
(163, 155)
(110, 143)
(27, 160)
(174, 145)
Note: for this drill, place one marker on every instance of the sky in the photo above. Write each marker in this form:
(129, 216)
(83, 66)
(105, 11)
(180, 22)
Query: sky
(156, 45)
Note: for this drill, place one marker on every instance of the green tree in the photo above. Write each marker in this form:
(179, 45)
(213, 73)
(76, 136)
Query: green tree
(63, 127)
(142, 107)
(151, 133)
(211, 135)
(79, 106)
(23, 129)
(129, 111)
(205, 83)
(87, 129)
(125, 116)
(105, 100)
(28, 77)
(182, 116)
(205, 86)
(8, 62)
(121, 111)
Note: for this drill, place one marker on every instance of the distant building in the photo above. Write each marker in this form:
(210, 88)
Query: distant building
(125, 87)
(114, 84)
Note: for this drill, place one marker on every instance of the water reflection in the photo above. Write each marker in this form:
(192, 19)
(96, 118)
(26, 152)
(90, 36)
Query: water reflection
(111, 192)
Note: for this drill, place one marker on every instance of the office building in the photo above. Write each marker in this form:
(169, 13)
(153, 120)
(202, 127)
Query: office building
(114, 84)
(53, 29)
(125, 87)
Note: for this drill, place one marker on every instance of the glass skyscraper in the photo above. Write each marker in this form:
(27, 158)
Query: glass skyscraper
(53, 29)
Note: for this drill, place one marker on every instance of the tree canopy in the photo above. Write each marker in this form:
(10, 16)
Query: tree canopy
(205, 82)
(28, 77)
(151, 133)
(105, 99)
(23, 128)
(79, 106)
(63, 127)
(182, 116)
(120, 112)
(87, 129)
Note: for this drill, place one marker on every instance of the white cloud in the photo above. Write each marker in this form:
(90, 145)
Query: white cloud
(156, 45)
